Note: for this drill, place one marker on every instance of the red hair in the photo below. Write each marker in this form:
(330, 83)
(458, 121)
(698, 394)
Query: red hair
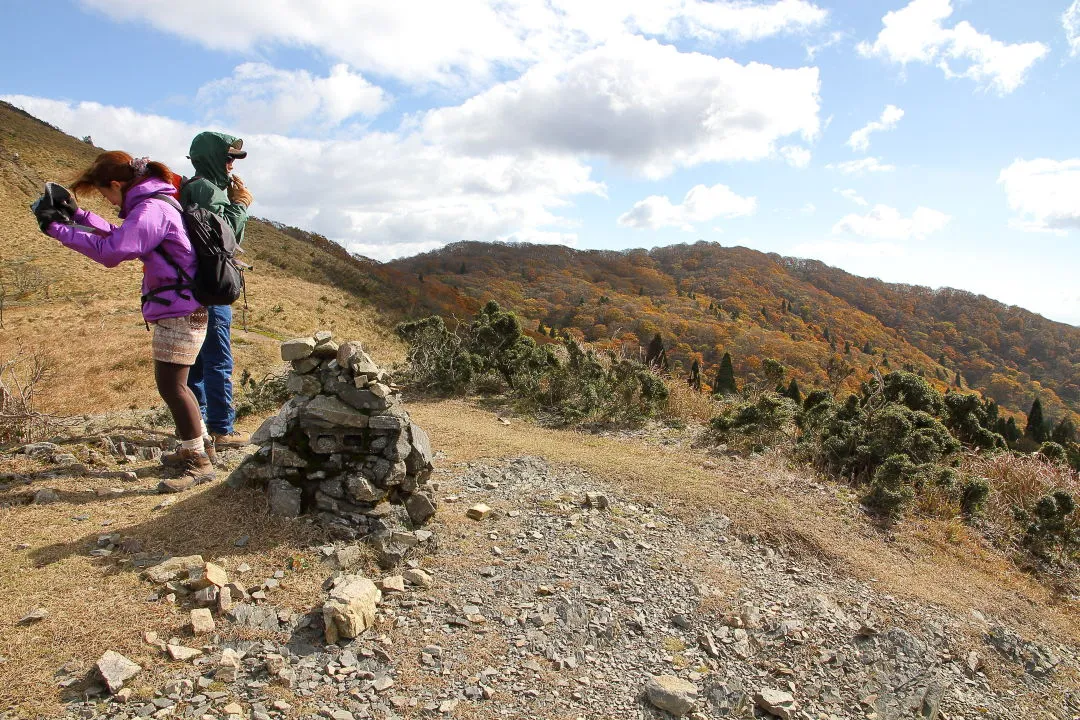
(116, 166)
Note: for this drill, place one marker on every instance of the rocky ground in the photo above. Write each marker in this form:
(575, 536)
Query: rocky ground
(566, 599)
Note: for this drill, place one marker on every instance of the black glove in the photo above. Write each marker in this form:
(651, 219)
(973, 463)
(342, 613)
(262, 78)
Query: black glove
(54, 205)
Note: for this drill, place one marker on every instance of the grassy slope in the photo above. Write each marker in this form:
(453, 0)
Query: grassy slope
(85, 318)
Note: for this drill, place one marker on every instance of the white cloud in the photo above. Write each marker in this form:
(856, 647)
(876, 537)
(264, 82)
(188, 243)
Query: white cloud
(885, 223)
(1071, 22)
(864, 165)
(795, 156)
(644, 105)
(700, 204)
(860, 139)
(834, 38)
(433, 41)
(809, 208)
(916, 33)
(384, 195)
(1045, 193)
(260, 98)
(853, 196)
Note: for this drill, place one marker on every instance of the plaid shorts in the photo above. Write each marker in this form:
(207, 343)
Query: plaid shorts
(179, 340)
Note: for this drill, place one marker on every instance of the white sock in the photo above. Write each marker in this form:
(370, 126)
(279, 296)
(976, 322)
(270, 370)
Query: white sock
(192, 444)
(205, 432)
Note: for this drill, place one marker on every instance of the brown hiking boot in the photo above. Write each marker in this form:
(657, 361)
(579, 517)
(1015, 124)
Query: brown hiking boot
(194, 467)
(235, 439)
(173, 459)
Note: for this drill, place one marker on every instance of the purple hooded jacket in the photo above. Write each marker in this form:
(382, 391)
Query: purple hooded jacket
(147, 225)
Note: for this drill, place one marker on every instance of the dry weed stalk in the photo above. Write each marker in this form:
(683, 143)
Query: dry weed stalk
(21, 377)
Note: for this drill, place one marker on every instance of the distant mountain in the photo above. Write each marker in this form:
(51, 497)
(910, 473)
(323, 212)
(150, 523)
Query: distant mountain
(706, 299)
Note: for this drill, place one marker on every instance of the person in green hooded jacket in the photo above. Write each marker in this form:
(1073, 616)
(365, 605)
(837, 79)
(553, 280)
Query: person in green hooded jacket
(214, 188)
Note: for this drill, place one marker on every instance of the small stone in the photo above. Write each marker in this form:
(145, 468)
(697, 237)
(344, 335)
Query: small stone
(228, 666)
(202, 622)
(123, 695)
(675, 695)
(284, 498)
(393, 583)
(206, 575)
(420, 508)
(207, 596)
(351, 608)
(172, 568)
(33, 616)
(478, 511)
(242, 541)
(233, 709)
(224, 601)
(418, 577)
(115, 670)
(776, 702)
(297, 348)
(179, 652)
(383, 683)
(45, 496)
(596, 500)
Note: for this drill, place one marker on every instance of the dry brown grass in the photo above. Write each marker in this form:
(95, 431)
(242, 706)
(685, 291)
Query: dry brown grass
(688, 405)
(768, 497)
(1018, 481)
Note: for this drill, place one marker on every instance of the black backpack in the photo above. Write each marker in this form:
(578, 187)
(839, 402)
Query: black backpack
(219, 276)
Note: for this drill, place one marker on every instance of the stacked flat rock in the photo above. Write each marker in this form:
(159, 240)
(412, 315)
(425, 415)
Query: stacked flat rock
(342, 446)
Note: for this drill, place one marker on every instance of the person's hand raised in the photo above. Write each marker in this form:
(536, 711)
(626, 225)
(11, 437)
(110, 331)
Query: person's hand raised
(238, 192)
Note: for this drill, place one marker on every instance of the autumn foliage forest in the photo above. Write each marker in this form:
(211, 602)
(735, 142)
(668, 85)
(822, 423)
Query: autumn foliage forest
(828, 328)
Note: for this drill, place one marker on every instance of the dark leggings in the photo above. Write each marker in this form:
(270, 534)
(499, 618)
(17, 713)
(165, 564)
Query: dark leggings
(172, 386)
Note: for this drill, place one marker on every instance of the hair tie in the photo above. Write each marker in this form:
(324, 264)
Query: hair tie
(139, 166)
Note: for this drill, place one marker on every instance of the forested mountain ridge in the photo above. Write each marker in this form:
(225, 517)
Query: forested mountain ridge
(826, 326)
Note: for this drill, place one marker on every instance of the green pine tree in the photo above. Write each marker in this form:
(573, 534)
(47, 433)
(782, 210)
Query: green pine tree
(725, 377)
(1036, 424)
(793, 391)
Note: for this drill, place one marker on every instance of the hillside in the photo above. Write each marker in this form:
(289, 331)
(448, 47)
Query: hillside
(705, 300)
(83, 320)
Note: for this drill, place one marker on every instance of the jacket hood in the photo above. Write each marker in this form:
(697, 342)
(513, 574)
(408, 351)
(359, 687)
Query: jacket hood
(208, 153)
(140, 191)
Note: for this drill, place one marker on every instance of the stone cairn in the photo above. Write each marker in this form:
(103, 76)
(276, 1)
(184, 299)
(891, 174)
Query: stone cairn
(344, 449)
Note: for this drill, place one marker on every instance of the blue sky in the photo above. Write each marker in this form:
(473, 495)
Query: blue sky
(396, 128)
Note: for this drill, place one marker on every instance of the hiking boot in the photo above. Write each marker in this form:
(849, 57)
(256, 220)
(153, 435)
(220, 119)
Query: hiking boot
(235, 439)
(175, 485)
(173, 459)
(194, 465)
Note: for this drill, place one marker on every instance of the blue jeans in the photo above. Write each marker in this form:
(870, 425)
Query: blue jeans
(210, 378)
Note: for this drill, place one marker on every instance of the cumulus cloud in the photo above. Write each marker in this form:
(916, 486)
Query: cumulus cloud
(796, 156)
(700, 204)
(860, 139)
(470, 39)
(885, 223)
(840, 252)
(853, 196)
(1044, 193)
(917, 33)
(260, 98)
(638, 102)
(859, 167)
(384, 195)
(1071, 22)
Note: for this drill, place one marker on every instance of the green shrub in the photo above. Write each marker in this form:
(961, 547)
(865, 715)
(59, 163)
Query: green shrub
(973, 496)
(757, 425)
(1046, 526)
(1052, 451)
(891, 489)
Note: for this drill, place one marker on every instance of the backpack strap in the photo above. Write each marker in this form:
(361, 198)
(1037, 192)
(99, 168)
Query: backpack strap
(183, 282)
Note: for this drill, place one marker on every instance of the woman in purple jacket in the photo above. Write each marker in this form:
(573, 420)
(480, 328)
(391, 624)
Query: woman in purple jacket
(153, 232)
